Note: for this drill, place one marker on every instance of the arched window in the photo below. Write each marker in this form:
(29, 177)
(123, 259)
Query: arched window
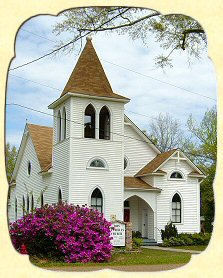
(125, 163)
(89, 122)
(97, 200)
(41, 200)
(176, 175)
(27, 203)
(98, 163)
(64, 124)
(16, 208)
(32, 204)
(60, 199)
(59, 127)
(104, 124)
(176, 209)
(23, 205)
(29, 168)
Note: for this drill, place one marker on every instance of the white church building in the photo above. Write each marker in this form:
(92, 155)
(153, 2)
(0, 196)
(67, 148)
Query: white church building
(95, 155)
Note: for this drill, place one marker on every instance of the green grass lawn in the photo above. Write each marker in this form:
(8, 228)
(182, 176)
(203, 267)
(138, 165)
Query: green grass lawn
(192, 247)
(145, 257)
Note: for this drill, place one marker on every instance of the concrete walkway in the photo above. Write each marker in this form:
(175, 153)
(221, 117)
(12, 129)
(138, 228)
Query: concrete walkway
(172, 249)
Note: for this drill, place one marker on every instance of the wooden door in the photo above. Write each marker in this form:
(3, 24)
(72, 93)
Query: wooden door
(126, 215)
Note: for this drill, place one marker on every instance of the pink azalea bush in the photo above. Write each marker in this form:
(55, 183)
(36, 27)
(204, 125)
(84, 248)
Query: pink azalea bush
(73, 233)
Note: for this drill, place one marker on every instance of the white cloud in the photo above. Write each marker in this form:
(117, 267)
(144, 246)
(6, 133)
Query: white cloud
(148, 96)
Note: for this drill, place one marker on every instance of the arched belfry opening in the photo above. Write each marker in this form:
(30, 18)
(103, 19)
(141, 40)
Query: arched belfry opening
(89, 122)
(104, 123)
(64, 124)
(59, 137)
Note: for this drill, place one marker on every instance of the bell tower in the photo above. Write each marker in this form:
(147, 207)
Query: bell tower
(94, 129)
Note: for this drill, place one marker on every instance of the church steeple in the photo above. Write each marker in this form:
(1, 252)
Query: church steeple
(88, 76)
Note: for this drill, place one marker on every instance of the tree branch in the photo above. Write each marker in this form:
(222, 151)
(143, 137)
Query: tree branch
(190, 31)
(122, 25)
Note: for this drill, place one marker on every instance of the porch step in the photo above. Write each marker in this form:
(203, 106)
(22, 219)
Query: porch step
(149, 242)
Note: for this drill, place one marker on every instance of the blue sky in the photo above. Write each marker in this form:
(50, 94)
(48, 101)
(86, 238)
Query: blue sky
(148, 97)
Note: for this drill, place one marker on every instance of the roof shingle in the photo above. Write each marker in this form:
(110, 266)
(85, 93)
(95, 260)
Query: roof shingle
(155, 163)
(42, 138)
(132, 182)
(88, 76)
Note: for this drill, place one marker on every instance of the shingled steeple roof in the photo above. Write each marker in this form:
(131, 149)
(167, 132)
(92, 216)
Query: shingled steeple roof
(88, 76)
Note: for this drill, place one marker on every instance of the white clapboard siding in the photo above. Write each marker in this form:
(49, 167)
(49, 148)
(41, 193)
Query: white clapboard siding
(78, 106)
(67, 106)
(188, 190)
(137, 152)
(110, 181)
(60, 175)
(26, 184)
(36, 183)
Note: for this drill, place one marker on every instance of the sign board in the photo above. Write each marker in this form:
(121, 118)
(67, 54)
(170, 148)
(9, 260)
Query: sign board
(118, 233)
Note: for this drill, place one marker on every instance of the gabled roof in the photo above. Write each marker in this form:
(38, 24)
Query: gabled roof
(88, 76)
(42, 138)
(144, 137)
(137, 183)
(155, 163)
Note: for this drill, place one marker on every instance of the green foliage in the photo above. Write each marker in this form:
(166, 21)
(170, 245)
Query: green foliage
(10, 156)
(170, 32)
(205, 134)
(185, 239)
(169, 231)
(205, 153)
(136, 234)
(137, 242)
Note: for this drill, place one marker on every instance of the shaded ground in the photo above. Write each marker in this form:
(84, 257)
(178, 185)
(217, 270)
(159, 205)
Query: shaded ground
(145, 260)
(137, 268)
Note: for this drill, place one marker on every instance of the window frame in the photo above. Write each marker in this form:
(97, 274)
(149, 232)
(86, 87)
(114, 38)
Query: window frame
(102, 200)
(41, 200)
(177, 179)
(23, 205)
(32, 208)
(64, 124)
(59, 127)
(97, 168)
(180, 209)
(60, 200)
(29, 163)
(16, 208)
(27, 203)
(127, 163)
(93, 122)
(102, 131)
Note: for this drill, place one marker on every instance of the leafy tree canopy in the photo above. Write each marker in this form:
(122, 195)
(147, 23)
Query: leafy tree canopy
(10, 155)
(205, 134)
(171, 32)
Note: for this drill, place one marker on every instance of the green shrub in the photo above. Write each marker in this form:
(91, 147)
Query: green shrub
(137, 242)
(136, 234)
(169, 231)
(187, 239)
